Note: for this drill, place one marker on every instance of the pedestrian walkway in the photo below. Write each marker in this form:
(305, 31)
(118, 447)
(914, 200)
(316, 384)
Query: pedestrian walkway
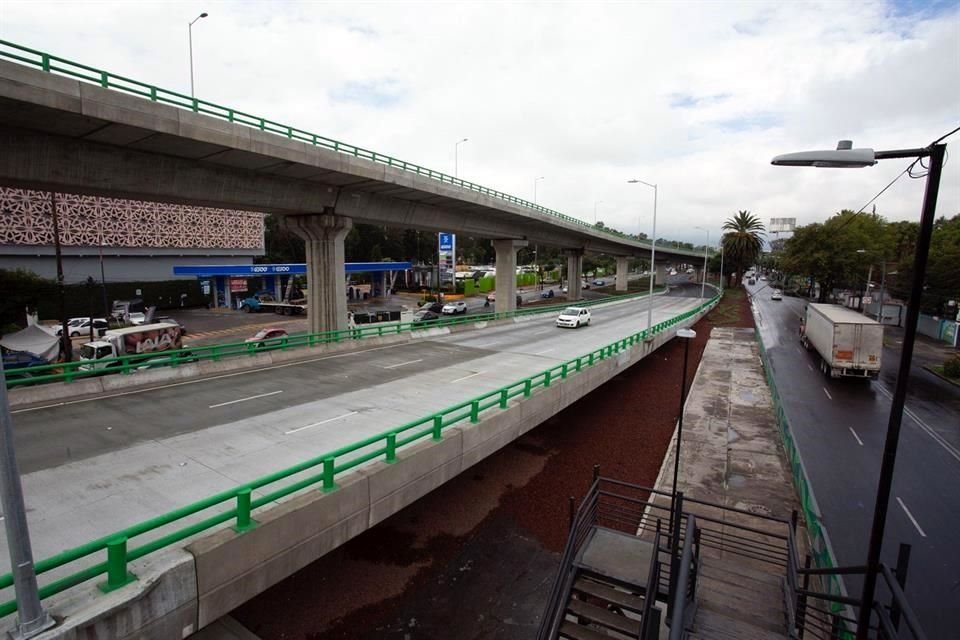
(730, 455)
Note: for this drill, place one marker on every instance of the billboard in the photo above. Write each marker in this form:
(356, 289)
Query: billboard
(447, 251)
(781, 225)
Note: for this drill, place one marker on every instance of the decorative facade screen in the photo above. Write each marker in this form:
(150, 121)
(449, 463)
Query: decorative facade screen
(25, 219)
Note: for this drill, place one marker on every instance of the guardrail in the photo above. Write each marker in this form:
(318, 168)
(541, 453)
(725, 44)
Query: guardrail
(325, 468)
(70, 371)
(54, 64)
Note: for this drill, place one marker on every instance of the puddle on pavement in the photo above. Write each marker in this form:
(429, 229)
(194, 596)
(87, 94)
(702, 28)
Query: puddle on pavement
(747, 395)
(736, 480)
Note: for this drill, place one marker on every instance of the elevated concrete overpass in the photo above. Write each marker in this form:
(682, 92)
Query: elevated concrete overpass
(69, 127)
(102, 464)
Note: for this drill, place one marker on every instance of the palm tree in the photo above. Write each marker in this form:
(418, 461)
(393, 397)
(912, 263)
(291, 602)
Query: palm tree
(743, 241)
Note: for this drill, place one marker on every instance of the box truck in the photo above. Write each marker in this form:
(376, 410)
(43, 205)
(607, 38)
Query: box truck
(849, 344)
(146, 340)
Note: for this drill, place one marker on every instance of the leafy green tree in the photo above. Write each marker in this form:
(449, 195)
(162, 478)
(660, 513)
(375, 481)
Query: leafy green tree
(743, 241)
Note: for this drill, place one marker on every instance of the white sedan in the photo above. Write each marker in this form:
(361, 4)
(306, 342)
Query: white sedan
(776, 294)
(452, 308)
(573, 317)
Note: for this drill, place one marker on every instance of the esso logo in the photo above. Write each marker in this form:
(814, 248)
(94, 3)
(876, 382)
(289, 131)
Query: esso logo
(282, 269)
(260, 269)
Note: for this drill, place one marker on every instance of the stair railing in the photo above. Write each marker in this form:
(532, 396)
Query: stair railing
(685, 580)
(647, 630)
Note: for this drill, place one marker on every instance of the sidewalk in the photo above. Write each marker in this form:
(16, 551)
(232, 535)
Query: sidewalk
(731, 455)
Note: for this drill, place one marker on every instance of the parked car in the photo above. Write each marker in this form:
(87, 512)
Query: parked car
(82, 328)
(599, 283)
(424, 315)
(573, 317)
(776, 294)
(547, 294)
(137, 318)
(71, 324)
(455, 307)
(435, 307)
(270, 336)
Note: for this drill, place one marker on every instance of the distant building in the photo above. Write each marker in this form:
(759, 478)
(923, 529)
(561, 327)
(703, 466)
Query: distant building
(140, 241)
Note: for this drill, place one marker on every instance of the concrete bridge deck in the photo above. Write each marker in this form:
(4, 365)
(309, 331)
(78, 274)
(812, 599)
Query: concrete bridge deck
(152, 451)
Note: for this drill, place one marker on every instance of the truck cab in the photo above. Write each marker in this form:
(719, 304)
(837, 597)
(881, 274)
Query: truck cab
(144, 340)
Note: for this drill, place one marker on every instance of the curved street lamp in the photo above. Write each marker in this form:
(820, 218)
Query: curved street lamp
(190, 32)
(456, 157)
(845, 156)
(653, 253)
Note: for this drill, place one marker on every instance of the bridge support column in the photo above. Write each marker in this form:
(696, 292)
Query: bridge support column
(507, 273)
(574, 273)
(622, 262)
(326, 275)
(661, 275)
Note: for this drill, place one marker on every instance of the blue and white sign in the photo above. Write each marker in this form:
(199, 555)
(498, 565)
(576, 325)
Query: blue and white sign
(447, 255)
(446, 241)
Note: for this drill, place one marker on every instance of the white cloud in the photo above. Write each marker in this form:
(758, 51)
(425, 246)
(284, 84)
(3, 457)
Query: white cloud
(694, 96)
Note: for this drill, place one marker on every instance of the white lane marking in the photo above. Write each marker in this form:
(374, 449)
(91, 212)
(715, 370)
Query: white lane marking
(859, 441)
(810, 366)
(259, 395)
(828, 393)
(912, 519)
(198, 380)
(949, 448)
(537, 333)
(537, 353)
(466, 377)
(401, 364)
(317, 424)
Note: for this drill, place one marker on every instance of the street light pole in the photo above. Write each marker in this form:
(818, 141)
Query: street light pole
(721, 264)
(653, 255)
(703, 284)
(595, 211)
(190, 32)
(456, 157)
(686, 335)
(535, 181)
(32, 618)
(845, 156)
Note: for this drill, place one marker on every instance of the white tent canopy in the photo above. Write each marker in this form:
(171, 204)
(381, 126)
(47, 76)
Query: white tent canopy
(33, 340)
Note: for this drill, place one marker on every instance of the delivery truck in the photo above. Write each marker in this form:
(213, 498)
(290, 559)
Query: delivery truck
(849, 344)
(264, 301)
(145, 342)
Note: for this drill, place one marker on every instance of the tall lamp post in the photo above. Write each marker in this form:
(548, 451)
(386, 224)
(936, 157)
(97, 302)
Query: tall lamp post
(703, 284)
(190, 32)
(595, 211)
(653, 254)
(456, 157)
(535, 181)
(846, 156)
(686, 335)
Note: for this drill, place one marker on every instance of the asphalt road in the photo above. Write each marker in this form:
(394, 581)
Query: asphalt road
(840, 426)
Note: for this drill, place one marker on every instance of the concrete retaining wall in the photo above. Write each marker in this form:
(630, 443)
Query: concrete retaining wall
(224, 569)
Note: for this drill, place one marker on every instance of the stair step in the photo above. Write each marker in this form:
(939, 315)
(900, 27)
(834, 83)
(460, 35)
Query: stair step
(729, 589)
(599, 590)
(574, 631)
(603, 617)
(716, 626)
(717, 568)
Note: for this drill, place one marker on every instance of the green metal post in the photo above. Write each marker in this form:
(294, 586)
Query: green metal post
(503, 398)
(475, 411)
(391, 448)
(437, 426)
(117, 574)
(546, 379)
(244, 521)
(328, 471)
(527, 387)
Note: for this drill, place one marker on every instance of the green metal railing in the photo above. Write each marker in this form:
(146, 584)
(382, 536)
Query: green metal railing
(55, 64)
(820, 548)
(70, 371)
(321, 470)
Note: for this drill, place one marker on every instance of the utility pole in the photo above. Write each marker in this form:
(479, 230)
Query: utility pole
(32, 618)
(66, 345)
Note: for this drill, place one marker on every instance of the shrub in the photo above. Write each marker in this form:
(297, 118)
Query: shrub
(951, 368)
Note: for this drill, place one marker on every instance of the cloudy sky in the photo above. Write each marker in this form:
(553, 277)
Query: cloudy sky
(694, 96)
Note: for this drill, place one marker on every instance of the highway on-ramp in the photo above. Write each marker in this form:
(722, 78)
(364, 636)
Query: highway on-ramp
(840, 426)
(94, 466)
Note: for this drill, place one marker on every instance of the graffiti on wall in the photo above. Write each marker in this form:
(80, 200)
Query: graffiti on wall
(90, 221)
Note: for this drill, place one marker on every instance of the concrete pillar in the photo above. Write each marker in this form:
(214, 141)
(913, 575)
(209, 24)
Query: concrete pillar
(278, 286)
(574, 273)
(323, 234)
(661, 272)
(227, 294)
(622, 273)
(507, 273)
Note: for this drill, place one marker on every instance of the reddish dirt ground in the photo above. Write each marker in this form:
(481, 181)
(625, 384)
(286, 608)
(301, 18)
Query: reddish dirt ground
(476, 558)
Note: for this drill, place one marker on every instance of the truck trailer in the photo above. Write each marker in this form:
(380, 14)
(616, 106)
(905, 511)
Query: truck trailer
(850, 344)
(264, 301)
(146, 340)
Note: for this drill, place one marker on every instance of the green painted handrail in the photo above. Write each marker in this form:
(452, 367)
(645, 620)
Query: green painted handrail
(70, 371)
(55, 64)
(330, 464)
